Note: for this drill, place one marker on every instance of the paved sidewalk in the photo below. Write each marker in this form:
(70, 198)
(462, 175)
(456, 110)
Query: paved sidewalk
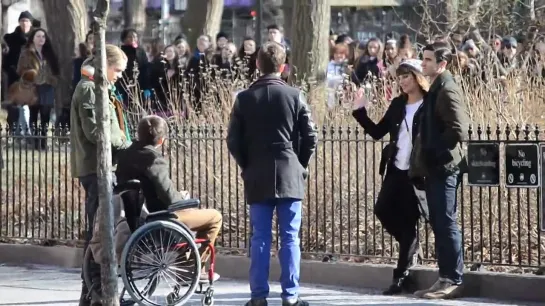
(50, 286)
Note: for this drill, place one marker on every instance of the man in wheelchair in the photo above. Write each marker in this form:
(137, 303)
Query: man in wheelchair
(143, 161)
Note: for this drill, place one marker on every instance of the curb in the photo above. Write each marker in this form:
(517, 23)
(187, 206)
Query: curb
(499, 286)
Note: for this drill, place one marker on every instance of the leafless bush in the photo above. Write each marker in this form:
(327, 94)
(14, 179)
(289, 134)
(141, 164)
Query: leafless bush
(500, 226)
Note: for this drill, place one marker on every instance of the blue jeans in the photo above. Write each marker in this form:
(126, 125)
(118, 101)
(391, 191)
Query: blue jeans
(441, 196)
(289, 222)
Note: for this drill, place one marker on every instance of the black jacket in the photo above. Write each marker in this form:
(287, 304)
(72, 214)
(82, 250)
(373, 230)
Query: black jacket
(389, 124)
(445, 124)
(146, 164)
(137, 56)
(15, 42)
(272, 137)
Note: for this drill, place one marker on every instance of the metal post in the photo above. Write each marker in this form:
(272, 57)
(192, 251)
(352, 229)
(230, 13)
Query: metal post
(165, 15)
(259, 18)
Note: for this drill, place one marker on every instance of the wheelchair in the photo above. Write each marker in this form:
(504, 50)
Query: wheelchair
(159, 250)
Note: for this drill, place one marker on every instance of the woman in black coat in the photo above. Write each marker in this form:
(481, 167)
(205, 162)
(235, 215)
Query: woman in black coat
(166, 78)
(399, 205)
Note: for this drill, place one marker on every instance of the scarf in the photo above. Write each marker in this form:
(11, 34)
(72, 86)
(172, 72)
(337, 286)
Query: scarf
(88, 71)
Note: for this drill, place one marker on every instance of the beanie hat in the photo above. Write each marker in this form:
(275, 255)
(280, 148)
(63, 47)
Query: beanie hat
(26, 15)
(470, 44)
(509, 41)
(412, 64)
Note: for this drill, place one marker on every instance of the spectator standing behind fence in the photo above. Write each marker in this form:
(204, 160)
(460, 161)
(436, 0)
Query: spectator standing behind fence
(272, 137)
(440, 159)
(369, 64)
(130, 87)
(401, 202)
(39, 56)
(165, 77)
(83, 137)
(247, 55)
(184, 53)
(275, 33)
(337, 69)
(196, 70)
(15, 43)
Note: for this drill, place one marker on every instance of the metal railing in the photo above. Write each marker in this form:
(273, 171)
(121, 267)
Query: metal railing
(41, 201)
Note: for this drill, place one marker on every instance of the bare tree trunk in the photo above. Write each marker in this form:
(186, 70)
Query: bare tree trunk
(287, 7)
(451, 7)
(532, 10)
(134, 14)
(73, 26)
(195, 25)
(310, 52)
(110, 295)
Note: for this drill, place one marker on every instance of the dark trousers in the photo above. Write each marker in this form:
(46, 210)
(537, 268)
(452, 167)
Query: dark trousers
(90, 185)
(13, 117)
(441, 195)
(397, 211)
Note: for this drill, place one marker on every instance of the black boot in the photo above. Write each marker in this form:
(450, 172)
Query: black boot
(257, 302)
(395, 288)
(85, 298)
(298, 303)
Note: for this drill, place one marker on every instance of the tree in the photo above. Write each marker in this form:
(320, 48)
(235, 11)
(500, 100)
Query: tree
(195, 25)
(66, 34)
(310, 52)
(134, 14)
(105, 213)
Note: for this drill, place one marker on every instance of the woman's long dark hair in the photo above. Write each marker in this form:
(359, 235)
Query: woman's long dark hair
(176, 62)
(47, 50)
(241, 52)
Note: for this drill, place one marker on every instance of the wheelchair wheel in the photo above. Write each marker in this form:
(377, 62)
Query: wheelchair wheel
(164, 255)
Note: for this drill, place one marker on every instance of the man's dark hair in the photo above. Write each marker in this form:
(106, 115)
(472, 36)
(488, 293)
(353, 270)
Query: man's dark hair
(271, 56)
(151, 129)
(441, 50)
(275, 27)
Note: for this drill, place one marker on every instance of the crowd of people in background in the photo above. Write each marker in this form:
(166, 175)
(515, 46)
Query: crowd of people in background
(165, 80)
(150, 76)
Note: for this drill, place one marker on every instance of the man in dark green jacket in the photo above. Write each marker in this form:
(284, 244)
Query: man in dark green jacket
(83, 143)
(445, 123)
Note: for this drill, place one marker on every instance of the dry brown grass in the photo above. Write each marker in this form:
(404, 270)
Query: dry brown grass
(342, 187)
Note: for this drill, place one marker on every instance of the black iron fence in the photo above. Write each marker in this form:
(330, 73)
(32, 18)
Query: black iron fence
(41, 201)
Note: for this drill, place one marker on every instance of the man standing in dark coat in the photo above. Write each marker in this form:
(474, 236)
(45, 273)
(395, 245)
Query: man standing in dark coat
(445, 123)
(15, 42)
(272, 138)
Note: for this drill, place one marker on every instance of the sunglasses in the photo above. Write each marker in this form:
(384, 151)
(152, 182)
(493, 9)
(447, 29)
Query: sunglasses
(509, 46)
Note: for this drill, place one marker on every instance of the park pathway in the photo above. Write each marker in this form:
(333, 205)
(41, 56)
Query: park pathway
(51, 286)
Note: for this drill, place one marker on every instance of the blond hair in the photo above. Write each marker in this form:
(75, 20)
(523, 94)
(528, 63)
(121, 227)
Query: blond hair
(115, 56)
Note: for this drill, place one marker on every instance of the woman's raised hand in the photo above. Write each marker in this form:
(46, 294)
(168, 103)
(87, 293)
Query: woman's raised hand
(360, 100)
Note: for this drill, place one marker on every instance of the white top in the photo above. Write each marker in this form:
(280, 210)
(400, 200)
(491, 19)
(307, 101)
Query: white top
(404, 141)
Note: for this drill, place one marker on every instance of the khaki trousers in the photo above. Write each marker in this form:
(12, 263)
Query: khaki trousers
(206, 222)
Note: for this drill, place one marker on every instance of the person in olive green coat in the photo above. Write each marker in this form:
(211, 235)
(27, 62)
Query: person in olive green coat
(83, 138)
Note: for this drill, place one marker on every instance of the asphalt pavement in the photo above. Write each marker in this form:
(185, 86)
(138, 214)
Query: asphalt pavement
(51, 286)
